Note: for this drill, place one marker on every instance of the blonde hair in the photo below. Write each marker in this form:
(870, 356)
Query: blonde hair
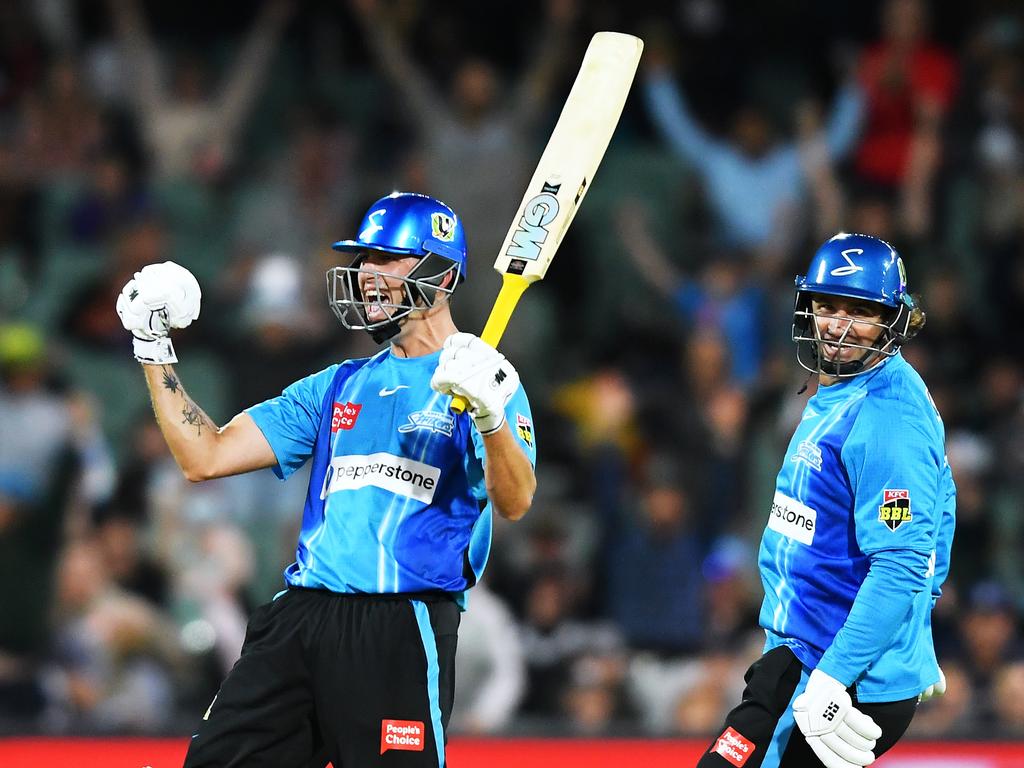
(918, 317)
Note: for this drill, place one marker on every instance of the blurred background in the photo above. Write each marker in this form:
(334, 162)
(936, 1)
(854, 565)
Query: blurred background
(240, 140)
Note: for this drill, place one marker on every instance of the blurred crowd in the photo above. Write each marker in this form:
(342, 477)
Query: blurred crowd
(240, 140)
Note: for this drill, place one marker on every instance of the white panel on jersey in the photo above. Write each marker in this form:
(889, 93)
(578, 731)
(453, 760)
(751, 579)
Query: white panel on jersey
(792, 519)
(399, 475)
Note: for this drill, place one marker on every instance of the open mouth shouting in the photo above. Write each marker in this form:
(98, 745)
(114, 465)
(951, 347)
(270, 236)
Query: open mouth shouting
(379, 303)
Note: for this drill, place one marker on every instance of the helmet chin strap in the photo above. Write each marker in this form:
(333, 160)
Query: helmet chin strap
(389, 330)
(850, 368)
(385, 332)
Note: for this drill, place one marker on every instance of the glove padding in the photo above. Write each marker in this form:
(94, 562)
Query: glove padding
(158, 298)
(936, 689)
(836, 731)
(471, 368)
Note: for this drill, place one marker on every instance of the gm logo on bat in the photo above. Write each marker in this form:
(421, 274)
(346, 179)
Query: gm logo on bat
(538, 213)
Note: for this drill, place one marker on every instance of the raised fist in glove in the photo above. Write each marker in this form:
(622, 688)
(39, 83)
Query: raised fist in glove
(471, 368)
(158, 298)
(836, 731)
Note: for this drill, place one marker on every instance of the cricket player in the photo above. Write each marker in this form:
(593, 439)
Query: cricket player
(353, 662)
(858, 537)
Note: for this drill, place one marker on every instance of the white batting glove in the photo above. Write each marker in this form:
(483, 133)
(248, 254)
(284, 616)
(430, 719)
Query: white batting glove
(158, 298)
(936, 689)
(836, 731)
(471, 368)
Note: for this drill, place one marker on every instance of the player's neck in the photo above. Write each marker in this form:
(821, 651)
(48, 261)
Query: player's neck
(423, 335)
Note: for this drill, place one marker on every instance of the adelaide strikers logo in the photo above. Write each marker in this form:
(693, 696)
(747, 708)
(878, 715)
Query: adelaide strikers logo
(442, 226)
(429, 420)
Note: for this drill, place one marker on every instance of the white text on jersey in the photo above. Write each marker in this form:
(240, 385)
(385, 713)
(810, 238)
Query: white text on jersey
(399, 475)
(793, 519)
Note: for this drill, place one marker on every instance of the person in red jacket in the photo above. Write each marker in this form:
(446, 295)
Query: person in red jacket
(909, 82)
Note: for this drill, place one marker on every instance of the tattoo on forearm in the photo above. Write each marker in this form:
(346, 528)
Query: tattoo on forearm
(194, 416)
(171, 381)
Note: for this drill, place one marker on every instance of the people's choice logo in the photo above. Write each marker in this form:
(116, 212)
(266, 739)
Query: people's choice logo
(344, 415)
(404, 735)
(851, 267)
(733, 747)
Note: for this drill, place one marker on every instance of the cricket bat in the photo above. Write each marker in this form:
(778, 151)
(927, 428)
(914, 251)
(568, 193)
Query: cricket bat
(564, 174)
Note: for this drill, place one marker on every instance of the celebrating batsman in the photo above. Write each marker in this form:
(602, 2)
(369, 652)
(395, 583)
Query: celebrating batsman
(353, 662)
(858, 537)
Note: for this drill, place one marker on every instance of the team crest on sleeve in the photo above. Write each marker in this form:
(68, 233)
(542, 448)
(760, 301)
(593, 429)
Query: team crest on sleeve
(442, 226)
(524, 428)
(895, 509)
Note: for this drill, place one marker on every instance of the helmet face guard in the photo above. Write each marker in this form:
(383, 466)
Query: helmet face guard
(422, 288)
(858, 267)
(809, 341)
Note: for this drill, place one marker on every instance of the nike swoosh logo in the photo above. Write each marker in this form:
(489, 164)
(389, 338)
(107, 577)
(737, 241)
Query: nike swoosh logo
(385, 391)
(809, 415)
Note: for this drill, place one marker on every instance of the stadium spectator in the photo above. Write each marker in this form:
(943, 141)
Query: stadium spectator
(114, 652)
(909, 83)
(553, 640)
(990, 640)
(653, 590)
(753, 181)
(187, 130)
(490, 670)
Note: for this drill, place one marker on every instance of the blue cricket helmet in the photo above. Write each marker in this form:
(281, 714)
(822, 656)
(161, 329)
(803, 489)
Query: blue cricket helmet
(858, 267)
(403, 224)
(853, 266)
(410, 224)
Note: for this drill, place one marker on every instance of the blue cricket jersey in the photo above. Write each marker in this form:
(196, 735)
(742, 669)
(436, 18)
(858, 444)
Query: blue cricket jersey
(396, 500)
(858, 538)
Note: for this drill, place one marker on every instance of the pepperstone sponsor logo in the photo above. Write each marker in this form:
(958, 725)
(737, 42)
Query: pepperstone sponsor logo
(895, 508)
(404, 735)
(382, 470)
(734, 747)
(792, 518)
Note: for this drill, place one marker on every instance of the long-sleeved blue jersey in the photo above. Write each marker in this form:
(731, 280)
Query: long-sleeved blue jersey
(859, 534)
(396, 499)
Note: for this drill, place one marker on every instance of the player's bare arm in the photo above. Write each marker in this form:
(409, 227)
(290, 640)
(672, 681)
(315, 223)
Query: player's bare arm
(509, 475)
(202, 449)
(159, 298)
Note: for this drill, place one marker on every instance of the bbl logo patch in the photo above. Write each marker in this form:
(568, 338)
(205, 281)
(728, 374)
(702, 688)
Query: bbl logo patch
(442, 226)
(895, 509)
(524, 428)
